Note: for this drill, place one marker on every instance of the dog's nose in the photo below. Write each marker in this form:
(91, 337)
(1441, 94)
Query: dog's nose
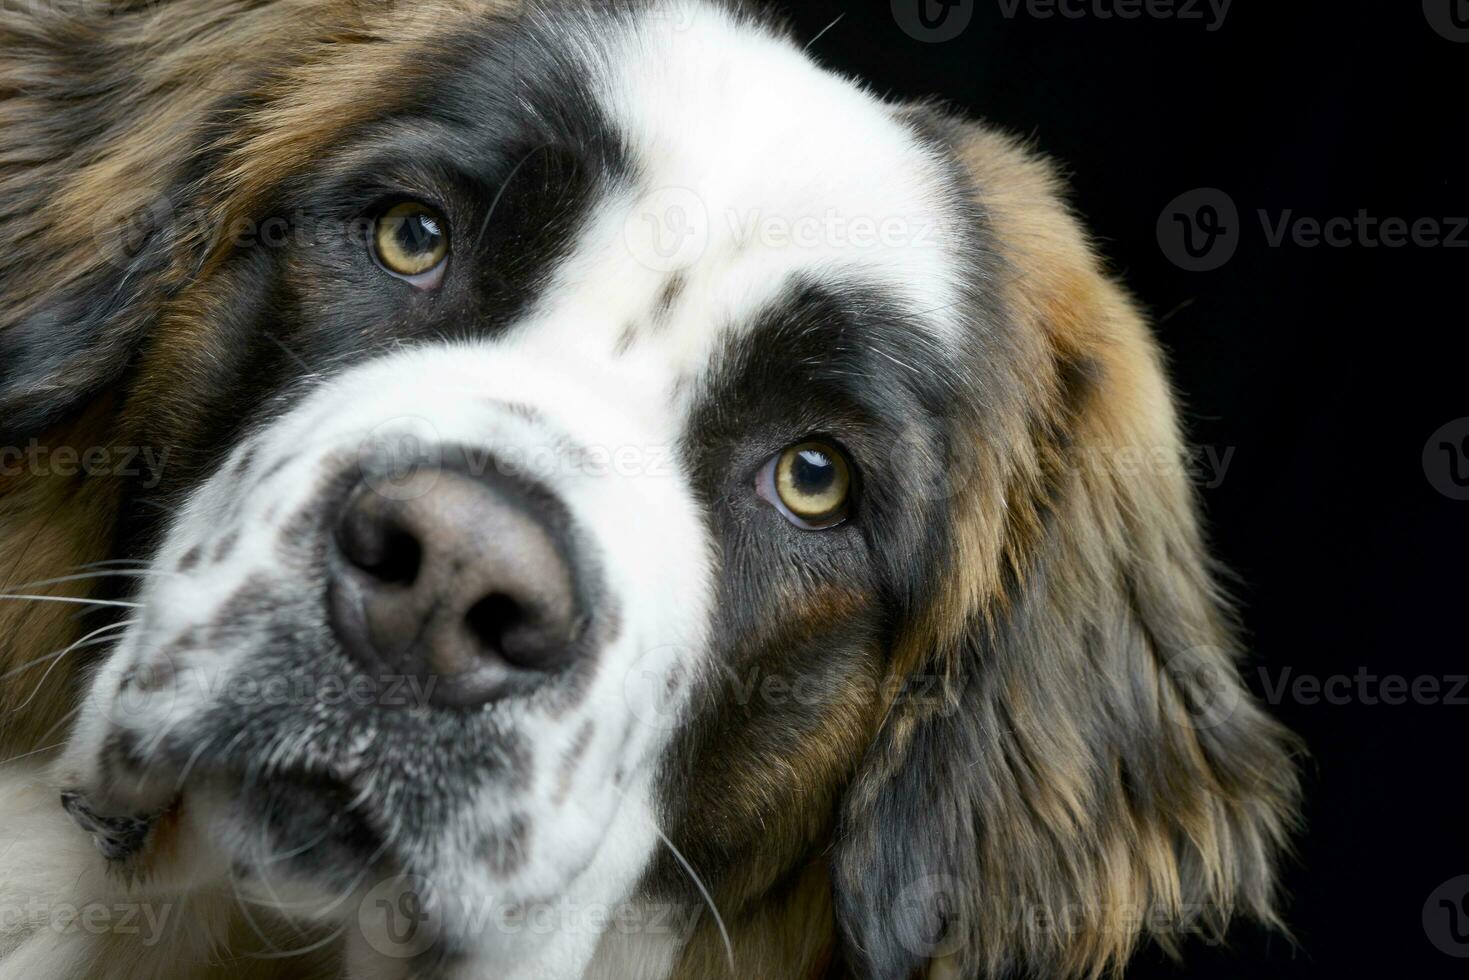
(459, 579)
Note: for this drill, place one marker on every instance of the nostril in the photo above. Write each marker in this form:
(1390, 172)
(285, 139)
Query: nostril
(499, 623)
(381, 547)
(401, 558)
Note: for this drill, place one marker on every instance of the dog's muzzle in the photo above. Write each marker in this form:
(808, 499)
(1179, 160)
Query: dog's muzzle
(460, 659)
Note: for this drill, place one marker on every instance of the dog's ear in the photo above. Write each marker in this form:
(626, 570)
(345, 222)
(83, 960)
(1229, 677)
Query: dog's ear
(1095, 771)
(94, 129)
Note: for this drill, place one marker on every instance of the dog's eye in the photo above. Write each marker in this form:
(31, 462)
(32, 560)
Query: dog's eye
(809, 483)
(411, 240)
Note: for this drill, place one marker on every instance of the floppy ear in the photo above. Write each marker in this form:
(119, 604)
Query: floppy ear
(94, 125)
(1096, 772)
(100, 110)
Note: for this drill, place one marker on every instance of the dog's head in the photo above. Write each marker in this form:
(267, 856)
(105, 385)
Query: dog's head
(586, 430)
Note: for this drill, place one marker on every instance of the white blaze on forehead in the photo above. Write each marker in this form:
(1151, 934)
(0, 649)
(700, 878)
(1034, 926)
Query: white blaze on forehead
(751, 166)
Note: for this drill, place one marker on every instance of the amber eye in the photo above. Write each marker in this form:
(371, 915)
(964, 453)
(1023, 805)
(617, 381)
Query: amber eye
(810, 483)
(411, 240)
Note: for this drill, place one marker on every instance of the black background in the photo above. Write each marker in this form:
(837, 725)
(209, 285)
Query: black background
(1326, 370)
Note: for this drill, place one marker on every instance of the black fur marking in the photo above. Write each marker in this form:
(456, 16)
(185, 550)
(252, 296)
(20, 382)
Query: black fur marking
(668, 298)
(276, 467)
(572, 759)
(506, 849)
(121, 748)
(190, 560)
(247, 458)
(251, 607)
(225, 545)
(626, 339)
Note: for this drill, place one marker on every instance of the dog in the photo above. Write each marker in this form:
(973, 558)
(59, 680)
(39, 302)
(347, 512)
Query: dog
(582, 490)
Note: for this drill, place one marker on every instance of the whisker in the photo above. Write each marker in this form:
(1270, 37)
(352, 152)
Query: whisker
(698, 883)
(320, 909)
(822, 33)
(193, 759)
(74, 600)
(56, 658)
(98, 575)
(485, 224)
(275, 951)
(60, 722)
(278, 954)
(27, 755)
(65, 650)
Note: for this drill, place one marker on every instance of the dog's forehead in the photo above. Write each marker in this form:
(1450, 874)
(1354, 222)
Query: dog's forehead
(749, 168)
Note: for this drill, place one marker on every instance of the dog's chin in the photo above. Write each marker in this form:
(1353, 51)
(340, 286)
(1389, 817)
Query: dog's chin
(320, 851)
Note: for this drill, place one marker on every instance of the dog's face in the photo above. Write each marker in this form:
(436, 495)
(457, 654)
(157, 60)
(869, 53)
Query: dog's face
(597, 428)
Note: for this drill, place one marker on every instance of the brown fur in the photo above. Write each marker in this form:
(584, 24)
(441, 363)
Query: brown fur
(50, 525)
(1079, 849)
